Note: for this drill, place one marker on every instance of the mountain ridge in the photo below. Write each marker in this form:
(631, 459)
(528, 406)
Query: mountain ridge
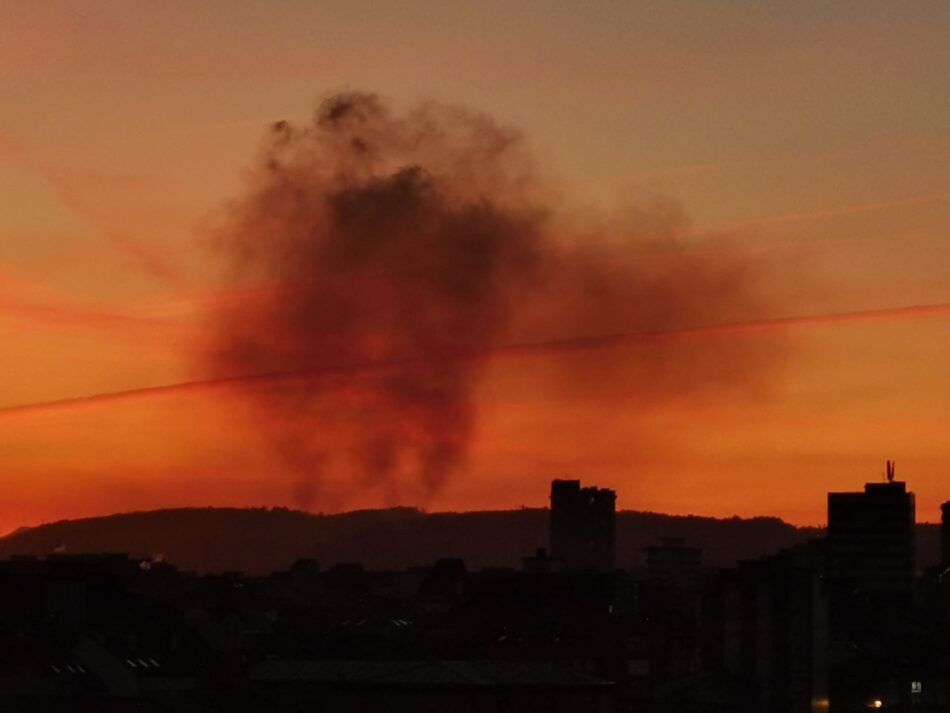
(261, 540)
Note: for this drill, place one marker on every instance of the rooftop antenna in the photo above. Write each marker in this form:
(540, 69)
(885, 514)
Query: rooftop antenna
(890, 471)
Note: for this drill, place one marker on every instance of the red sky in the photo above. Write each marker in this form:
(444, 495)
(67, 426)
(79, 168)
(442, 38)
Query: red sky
(814, 136)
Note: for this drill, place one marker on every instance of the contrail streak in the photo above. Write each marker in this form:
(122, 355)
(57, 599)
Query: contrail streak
(600, 341)
(839, 211)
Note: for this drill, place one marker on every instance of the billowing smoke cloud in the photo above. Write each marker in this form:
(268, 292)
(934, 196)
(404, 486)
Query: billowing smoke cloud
(423, 243)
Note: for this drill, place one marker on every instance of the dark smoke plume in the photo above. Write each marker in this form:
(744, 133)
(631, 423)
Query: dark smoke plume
(425, 241)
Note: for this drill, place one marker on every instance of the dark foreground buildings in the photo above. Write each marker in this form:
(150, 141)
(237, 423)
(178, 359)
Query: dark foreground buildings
(839, 623)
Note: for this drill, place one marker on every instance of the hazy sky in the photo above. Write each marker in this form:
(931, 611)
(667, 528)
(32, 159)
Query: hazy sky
(812, 135)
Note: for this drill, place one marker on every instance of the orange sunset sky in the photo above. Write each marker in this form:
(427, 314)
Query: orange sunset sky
(811, 136)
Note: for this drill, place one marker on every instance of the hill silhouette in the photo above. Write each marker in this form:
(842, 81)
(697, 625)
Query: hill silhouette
(260, 540)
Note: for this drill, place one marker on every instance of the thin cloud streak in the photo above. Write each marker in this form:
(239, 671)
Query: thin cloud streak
(780, 160)
(603, 341)
(70, 185)
(839, 211)
(37, 306)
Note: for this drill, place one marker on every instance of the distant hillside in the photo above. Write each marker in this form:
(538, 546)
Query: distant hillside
(262, 540)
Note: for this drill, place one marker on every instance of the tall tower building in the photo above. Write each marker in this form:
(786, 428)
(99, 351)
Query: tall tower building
(871, 538)
(583, 526)
(869, 581)
(945, 535)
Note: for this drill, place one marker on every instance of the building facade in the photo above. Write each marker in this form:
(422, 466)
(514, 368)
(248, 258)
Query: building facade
(583, 526)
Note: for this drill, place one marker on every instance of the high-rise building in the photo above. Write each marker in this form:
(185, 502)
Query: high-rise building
(869, 581)
(871, 536)
(674, 562)
(583, 524)
(945, 535)
(772, 620)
